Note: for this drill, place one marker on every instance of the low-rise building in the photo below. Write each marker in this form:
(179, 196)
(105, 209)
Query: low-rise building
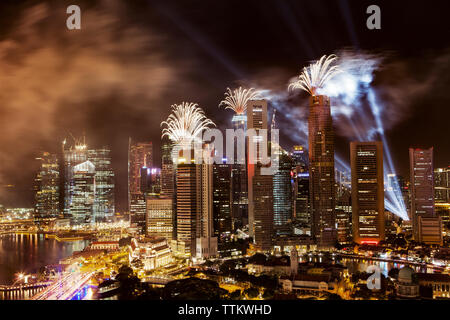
(153, 252)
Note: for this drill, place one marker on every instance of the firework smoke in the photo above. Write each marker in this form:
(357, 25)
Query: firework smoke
(238, 98)
(315, 76)
(185, 123)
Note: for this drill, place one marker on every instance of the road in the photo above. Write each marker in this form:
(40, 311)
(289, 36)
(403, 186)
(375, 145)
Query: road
(65, 287)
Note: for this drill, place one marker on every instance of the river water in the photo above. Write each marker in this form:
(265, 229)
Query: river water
(27, 253)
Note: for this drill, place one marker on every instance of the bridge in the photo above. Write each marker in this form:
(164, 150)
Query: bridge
(66, 287)
(22, 291)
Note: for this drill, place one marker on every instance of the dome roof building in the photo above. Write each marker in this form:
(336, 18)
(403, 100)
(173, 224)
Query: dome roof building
(408, 284)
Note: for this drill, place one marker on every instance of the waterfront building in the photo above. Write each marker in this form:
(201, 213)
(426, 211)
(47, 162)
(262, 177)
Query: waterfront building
(47, 189)
(81, 206)
(321, 171)
(367, 192)
(89, 170)
(427, 225)
(104, 205)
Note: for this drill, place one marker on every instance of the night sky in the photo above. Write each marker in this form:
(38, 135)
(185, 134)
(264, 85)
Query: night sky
(119, 74)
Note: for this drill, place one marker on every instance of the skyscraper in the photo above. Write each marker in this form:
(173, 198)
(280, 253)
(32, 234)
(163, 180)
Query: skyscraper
(140, 155)
(283, 192)
(206, 242)
(367, 192)
(260, 187)
(239, 186)
(442, 185)
(82, 198)
(321, 171)
(104, 205)
(222, 202)
(195, 210)
(47, 189)
(167, 169)
(427, 226)
(160, 217)
(85, 172)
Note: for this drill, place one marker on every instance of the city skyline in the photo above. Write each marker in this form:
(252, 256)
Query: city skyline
(140, 118)
(233, 151)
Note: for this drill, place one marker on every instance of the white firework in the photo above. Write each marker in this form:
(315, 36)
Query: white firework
(316, 75)
(238, 98)
(185, 123)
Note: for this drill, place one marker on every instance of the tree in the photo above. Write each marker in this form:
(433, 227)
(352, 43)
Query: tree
(268, 294)
(251, 292)
(193, 289)
(235, 295)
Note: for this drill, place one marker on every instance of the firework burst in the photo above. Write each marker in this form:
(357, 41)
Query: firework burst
(316, 75)
(185, 123)
(238, 98)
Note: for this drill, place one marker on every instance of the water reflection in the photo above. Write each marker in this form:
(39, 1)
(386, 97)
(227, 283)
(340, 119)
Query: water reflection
(29, 252)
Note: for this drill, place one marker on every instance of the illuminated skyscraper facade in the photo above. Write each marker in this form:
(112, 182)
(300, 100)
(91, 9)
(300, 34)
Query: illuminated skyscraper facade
(104, 205)
(82, 198)
(194, 196)
(239, 180)
(321, 171)
(367, 192)
(222, 202)
(47, 189)
(140, 157)
(87, 171)
(167, 169)
(160, 217)
(260, 187)
(427, 226)
(283, 192)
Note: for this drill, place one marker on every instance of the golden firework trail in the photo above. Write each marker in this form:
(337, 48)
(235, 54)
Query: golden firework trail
(238, 98)
(316, 75)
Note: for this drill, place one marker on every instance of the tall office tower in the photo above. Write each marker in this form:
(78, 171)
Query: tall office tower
(239, 179)
(321, 171)
(140, 155)
(47, 189)
(206, 242)
(160, 217)
(72, 156)
(82, 201)
(283, 193)
(344, 217)
(104, 208)
(442, 194)
(442, 185)
(303, 219)
(427, 226)
(260, 187)
(366, 160)
(167, 169)
(195, 236)
(222, 203)
(186, 199)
